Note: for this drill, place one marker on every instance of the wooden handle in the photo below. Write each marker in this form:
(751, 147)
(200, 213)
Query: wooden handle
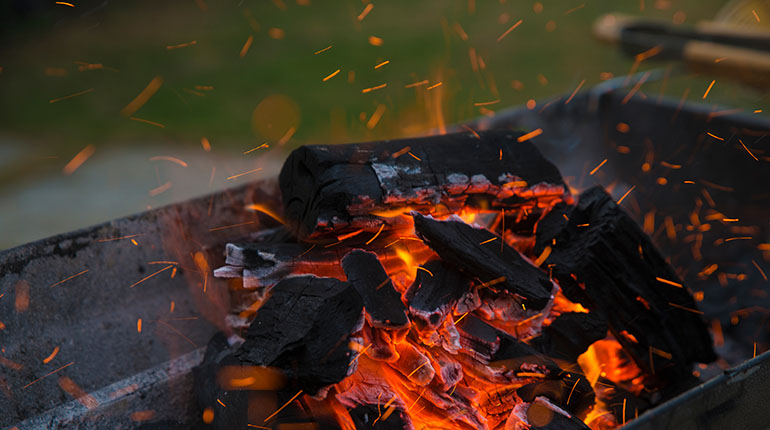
(748, 65)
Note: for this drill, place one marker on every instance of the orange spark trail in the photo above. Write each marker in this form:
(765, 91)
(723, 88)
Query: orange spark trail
(376, 234)
(375, 117)
(510, 29)
(139, 325)
(120, 238)
(246, 46)
(333, 74)
(708, 89)
(244, 173)
(77, 393)
(626, 194)
(150, 276)
(51, 357)
(205, 144)
(232, 225)
(143, 96)
(414, 156)
(574, 9)
(64, 3)
(597, 167)
(368, 90)
(666, 281)
(416, 84)
(530, 135)
(154, 192)
(366, 11)
(685, 308)
(264, 145)
(755, 14)
(171, 159)
(747, 150)
(146, 121)
(571, 96)
(375, 41)
(486, 103)
(761, 272)
(265, 210)
(434, 86)
(382, 64)
(295, 396)
(47, 375)
(67, 279)
(181, 45)
(323, 50)
(79, 159)
(71, 95)
(177, 332)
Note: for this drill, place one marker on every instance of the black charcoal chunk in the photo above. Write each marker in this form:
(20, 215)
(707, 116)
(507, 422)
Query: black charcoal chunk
(459, 244)
(304, 329)
(435, 292)
(382, 302)
(570, 334)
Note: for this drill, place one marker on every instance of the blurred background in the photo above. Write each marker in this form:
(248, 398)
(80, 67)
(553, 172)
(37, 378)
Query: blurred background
(112, 107)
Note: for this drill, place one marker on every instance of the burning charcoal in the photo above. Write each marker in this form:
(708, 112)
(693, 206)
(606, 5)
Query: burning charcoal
(367, 417)
(478, 337)
(382, 302)
(448, 371)
(338, 187)
(459, 244)
(368, 386)
(570, 391)
(381, 344)
(603, 260)
(542, 414)
(304, 328)
(570, 334)
(207, 390)
(413, 364)
(435, 292)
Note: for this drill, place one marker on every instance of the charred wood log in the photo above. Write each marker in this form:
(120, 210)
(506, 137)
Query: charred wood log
(338, 187)
(603, 260)
(435, 292)
(499, 267)
(382, 302)
(570, 334)
(304, 329)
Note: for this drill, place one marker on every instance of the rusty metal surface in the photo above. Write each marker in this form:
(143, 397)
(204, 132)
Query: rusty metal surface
(92, 317)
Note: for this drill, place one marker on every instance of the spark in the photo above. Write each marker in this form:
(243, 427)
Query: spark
(375, 118)
(246, 46)
(755, 14)
(487, 103)
(80, 93)
(150, 276)
(51, 357)
(761, 272)
(142, 97)
(670, 166)
(64, 3)
(571, 96)
(416, 369)
(120, 238)
(375, 41)
(67, 279)
(232, 225)
(414, 156)
(382, 64)
(177, 332)
(543, 256)
(434, 86)
(708, 89)
(181, 45)
(167, 158)
(139, 325)
(510, 29)
(349, 235)
(155, 191)
(626, 194)
(530, 135)
(730, 239)
(79, 159)
(205, 144)
(417, 84)
(323, 50)
(666, 281)
(597, 167)
(573, 10)
(425, 270)
(401, 151)
(636, 88)
(479, 137)
(747, 150)
(333, 74)
(531, 374)
(655, 50)
(290, 400)
(220, 402)
(492, 282)
(244, 173)
(488, 240)
(265, 210)
(366, 11)
(376, 234)
(368, 90)
(48, 374)
(685, 308)
(146, 121)
(264, 145)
